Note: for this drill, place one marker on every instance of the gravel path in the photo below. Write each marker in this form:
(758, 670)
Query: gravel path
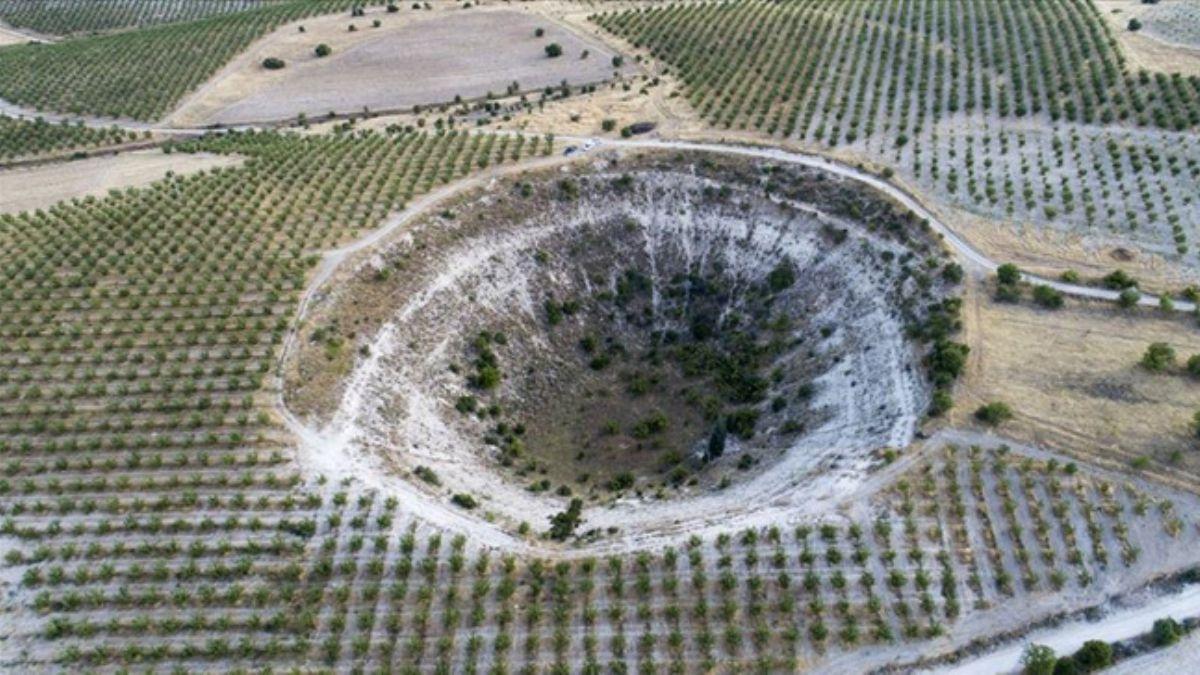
(1118, 624)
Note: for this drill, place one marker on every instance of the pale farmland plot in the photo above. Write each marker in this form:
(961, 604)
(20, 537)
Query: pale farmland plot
(29, 188)
(998, 122)
(411, 59)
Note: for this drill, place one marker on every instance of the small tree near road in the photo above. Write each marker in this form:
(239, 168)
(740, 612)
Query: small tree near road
(1047, 297)
(1094, 655)
(1008, 273)
(1166, 632)
(554, 50)
(1038, 660)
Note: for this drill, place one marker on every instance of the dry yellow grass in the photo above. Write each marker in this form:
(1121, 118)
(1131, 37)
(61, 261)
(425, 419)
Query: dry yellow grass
(1073, 378)
(1049, 252)
(1141, 48)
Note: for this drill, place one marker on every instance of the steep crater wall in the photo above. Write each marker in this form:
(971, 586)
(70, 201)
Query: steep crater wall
(673, 340)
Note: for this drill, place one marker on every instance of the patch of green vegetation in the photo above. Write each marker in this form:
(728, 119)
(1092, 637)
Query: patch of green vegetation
(487, 375)
(25, 138)
(427, 474)
(564, 523)
(650, 425)
(140, 74)
(994, 413)
(1158, 357)
(464, 500)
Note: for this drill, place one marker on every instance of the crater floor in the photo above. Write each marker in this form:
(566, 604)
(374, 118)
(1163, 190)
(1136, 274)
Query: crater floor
(678, 342)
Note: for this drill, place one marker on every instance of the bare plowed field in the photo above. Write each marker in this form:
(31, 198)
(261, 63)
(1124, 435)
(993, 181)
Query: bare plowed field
(411, 59)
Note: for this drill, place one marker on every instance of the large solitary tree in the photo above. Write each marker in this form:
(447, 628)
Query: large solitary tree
(564, 523)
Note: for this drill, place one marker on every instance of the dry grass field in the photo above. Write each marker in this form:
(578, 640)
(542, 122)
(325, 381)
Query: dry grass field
(1073, 379)
(413, 58)
(38, 187)
(1166, 41)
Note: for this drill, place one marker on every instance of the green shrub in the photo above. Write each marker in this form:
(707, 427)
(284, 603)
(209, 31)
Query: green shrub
(466, 404)
(741, 422)
(464, 500)
(273, 63)
(1093, 655)
(1166, 632)
(1119, 280)
(323, 50)
(1008, 274)
(1193, 365)
(994, 413)
(946, 361)
(1008, 293)
(1129, 298)
(1065, 665)
(554, 50)
(782, 277)
(564, 523)
(942, 402)
(1158, 357)
(428, 475)
(621, 481)
(1047, 297)
(1038, 660)
(654, 423)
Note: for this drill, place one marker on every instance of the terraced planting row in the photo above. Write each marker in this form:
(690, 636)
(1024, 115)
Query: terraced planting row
(967, 531)
(21, 138)
(377, 591)
(1026, 527)
(65, 17)
(140, 74)
(140, 466)
(1020, 110)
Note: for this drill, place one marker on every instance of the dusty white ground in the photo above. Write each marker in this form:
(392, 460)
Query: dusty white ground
(1120, 623)
(1180, 658)
(1170, 22)
(413, 58)
(16, 36)
(27, 188)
